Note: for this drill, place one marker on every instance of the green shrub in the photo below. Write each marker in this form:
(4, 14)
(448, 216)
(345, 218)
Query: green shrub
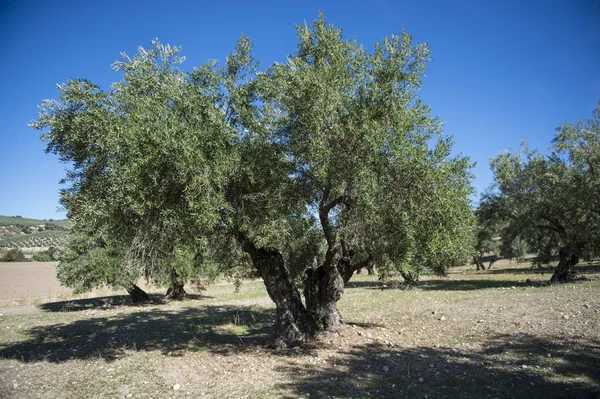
(14, 255)
(42, 257)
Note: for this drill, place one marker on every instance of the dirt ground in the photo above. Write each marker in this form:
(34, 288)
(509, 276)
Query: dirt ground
(471, 335)
(29, 280)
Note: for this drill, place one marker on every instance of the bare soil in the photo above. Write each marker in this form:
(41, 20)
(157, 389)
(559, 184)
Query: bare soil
(471, 335)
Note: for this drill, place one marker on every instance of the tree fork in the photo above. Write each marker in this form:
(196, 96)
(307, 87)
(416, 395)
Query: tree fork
(294, 325)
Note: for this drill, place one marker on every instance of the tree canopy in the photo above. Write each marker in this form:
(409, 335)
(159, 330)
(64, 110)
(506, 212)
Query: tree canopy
(550, 201)
(313, 168)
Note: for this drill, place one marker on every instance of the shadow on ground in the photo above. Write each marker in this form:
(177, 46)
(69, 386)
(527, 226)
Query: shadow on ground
(439, 285)
(216, 328)
(381, 372)
(105, 302)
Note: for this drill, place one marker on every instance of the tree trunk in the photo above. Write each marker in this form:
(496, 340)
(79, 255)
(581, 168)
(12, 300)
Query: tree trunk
(176, 291)
(492, 261)
(323, 287)
(565, 271)
(137, 294)
(370, 270)
(408, 278)
(294, 324)
(477, 261)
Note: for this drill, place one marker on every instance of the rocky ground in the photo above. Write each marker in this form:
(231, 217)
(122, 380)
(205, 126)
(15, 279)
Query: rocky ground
(474, 334)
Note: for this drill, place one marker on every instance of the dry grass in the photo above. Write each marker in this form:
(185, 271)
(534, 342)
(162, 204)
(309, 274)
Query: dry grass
(473, 334)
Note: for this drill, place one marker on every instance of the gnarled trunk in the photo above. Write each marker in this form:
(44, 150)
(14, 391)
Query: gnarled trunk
(408, 277)
(323, 287)
(565, 271)
(137, 294)
(294, 325)
(176, 291)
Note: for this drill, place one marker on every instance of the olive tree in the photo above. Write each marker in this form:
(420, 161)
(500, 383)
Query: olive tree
(551, 201)
(315, 168)
(148, 159)
(347, 147)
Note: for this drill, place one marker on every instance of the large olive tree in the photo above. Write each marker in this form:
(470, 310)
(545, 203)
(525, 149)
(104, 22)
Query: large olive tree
(349, 148)
(315, 168)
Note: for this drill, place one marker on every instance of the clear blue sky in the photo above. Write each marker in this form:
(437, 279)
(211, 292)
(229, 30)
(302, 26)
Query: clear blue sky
(503, 71)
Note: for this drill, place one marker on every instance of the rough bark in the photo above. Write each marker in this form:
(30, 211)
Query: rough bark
(323, 287)
(176, 291)
(565, 270)
(137, 294)
(294, 324)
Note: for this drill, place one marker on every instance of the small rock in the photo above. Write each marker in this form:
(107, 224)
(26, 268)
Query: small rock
(385, 368)
(488, 361)
(585, 305)
(431, 313)
(443, 318)
(507, 363)
(176, 387)
(421, 379)
(129, 395)
(523, 366)
(393, 385)
(566, 317)
(480, 321)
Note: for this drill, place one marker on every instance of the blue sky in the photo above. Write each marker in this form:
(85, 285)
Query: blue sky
(502, 71)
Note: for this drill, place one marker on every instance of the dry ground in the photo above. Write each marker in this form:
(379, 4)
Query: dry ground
(472, 335)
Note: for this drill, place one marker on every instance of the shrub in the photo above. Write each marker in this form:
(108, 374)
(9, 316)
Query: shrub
(14, 255)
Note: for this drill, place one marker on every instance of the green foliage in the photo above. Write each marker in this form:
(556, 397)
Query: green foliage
(50, 255)
(357, 138)
(14, 255)
(549, 203)
(149, 158)
(166, 165)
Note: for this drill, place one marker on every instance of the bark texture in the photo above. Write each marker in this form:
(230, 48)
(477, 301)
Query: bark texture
(322, 289)
(137, 294)
(294, 325)
(565, 271)
(176, 291)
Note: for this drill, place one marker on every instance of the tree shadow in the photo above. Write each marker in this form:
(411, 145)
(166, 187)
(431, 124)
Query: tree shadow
(507, 366)
(105, 302)
(440, 285)
(219, 329)
(580, 269)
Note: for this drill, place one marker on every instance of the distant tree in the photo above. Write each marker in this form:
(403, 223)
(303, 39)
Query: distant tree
(552, 202)
(484, 244)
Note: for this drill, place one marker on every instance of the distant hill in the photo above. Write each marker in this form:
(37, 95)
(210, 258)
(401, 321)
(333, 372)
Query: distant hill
(14, 220)
(19, 232)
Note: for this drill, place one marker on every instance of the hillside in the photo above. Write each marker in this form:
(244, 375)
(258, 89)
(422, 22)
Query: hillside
(19, 232)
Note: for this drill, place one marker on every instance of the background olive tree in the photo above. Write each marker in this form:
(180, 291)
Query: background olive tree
(551, 201)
